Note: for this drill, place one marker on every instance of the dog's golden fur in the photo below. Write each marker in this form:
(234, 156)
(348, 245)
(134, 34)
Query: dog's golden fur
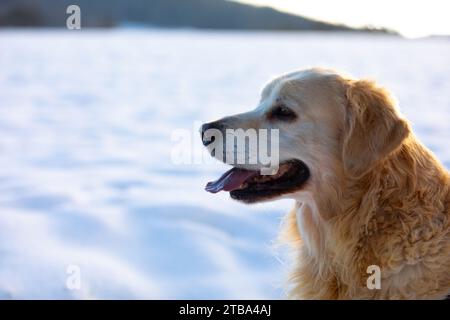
(387, 205)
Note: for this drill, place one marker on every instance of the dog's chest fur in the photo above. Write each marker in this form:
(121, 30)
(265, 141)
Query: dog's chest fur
(404, 229)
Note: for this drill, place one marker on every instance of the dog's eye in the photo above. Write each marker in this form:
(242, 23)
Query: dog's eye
(282, 113)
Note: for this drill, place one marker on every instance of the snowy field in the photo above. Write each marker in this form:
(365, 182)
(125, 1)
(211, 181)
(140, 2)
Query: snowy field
(86, 178)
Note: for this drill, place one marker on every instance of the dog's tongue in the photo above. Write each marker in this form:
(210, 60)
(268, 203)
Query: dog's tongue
(230, 180)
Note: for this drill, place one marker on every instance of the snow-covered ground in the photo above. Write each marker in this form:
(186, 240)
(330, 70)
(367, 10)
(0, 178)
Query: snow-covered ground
(86, 177)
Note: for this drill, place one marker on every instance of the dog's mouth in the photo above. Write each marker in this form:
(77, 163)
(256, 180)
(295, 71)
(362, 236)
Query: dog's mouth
(251, 186)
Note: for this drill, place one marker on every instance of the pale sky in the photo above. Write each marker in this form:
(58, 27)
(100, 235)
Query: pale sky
(412, 18)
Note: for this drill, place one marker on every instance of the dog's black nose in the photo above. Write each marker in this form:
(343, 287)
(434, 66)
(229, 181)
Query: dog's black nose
(208, 138)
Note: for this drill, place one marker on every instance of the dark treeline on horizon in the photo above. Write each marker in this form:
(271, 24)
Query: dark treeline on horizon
(202, 14)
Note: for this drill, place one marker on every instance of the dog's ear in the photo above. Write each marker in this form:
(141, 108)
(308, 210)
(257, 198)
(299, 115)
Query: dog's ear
(374, 128)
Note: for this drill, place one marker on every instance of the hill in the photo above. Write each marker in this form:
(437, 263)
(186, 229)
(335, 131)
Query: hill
(203, 14)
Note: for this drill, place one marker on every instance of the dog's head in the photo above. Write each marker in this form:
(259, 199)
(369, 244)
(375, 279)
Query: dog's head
(328, 126)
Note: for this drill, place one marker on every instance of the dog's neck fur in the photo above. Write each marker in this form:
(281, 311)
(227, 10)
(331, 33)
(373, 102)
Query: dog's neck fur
(334, 236)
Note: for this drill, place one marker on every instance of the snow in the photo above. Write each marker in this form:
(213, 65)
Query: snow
(86, 174)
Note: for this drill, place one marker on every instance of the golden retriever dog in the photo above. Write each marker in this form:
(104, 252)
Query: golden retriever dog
(367, 193)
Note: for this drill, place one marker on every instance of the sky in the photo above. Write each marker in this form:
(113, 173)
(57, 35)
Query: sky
(412, 18)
